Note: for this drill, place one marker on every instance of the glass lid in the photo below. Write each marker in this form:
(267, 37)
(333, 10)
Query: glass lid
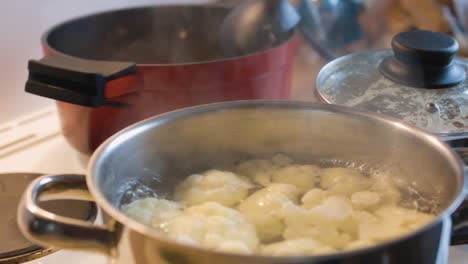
(420, 82)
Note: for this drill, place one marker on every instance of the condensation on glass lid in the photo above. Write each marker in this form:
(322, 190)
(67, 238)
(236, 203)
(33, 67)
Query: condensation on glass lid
(355, 81)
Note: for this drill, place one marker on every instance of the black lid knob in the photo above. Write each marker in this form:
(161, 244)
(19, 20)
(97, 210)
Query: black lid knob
(423, 59)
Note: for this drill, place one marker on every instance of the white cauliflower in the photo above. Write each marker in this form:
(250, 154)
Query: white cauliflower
(223, 187)
(327, 235)
(304, 177)
(321, 222)
(214, 226)
(351, 226)
(153, 211)
(313, 198)
(399, 216)
(358, 244)
(264, 209)
(261, 170)
(296, 247)
(392, 222)
(365, 199)
(332, 211)
(383, 184)
(339, 209)
(380, 232)
(343, 181)
(389, 195)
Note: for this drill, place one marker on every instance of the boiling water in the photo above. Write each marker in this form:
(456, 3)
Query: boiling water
(412, 197)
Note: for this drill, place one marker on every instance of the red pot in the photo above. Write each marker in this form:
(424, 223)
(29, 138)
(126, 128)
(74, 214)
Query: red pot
(171, 60)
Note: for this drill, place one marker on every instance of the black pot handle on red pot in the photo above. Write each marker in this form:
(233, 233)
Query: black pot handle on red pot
(74, 80)
(460, 217)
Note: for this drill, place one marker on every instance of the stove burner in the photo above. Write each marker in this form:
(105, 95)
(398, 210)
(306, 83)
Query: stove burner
(14, 247)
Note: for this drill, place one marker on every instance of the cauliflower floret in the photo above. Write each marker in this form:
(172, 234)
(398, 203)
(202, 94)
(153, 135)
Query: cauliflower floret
(332, 211)
(261, 170)
(264, 209)
(352, 211)
(365, 199)
(141, 210)
(390, 195)
(289, 190)
(399, 216)
(153, 211)
(327, 235)
(214, 226)
(364, 217)
(313, 198)
(393, 222)
(257, 169)
(351, 225)
(343, 181)
(223, 187)
(380, 232)
(321, 222)
(304, 177)
(296, 247)
(385, 187)
(234, 247)
(358, 244)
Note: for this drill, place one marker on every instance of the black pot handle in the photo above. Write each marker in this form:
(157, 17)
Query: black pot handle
(74, 80)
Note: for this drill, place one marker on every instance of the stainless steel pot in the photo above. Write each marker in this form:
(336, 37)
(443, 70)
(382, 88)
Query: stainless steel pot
(153, 155)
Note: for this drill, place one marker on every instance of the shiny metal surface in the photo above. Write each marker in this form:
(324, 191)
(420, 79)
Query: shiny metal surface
(11, 188)
(153, 155)
(256, 25)
(355, 26)
(30, 256)
(15, 248)
(355, 81)
(45, 228)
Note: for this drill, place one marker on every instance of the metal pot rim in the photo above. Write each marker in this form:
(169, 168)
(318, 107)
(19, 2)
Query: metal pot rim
(130, 131)
(46, 34)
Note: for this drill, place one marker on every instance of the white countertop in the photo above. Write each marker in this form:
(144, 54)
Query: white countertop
(22, 23)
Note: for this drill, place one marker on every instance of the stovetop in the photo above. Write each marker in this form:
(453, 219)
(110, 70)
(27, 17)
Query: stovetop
(32, 144)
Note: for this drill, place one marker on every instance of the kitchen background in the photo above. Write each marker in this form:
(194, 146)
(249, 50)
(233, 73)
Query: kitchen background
(21, 26)
(22, 23)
